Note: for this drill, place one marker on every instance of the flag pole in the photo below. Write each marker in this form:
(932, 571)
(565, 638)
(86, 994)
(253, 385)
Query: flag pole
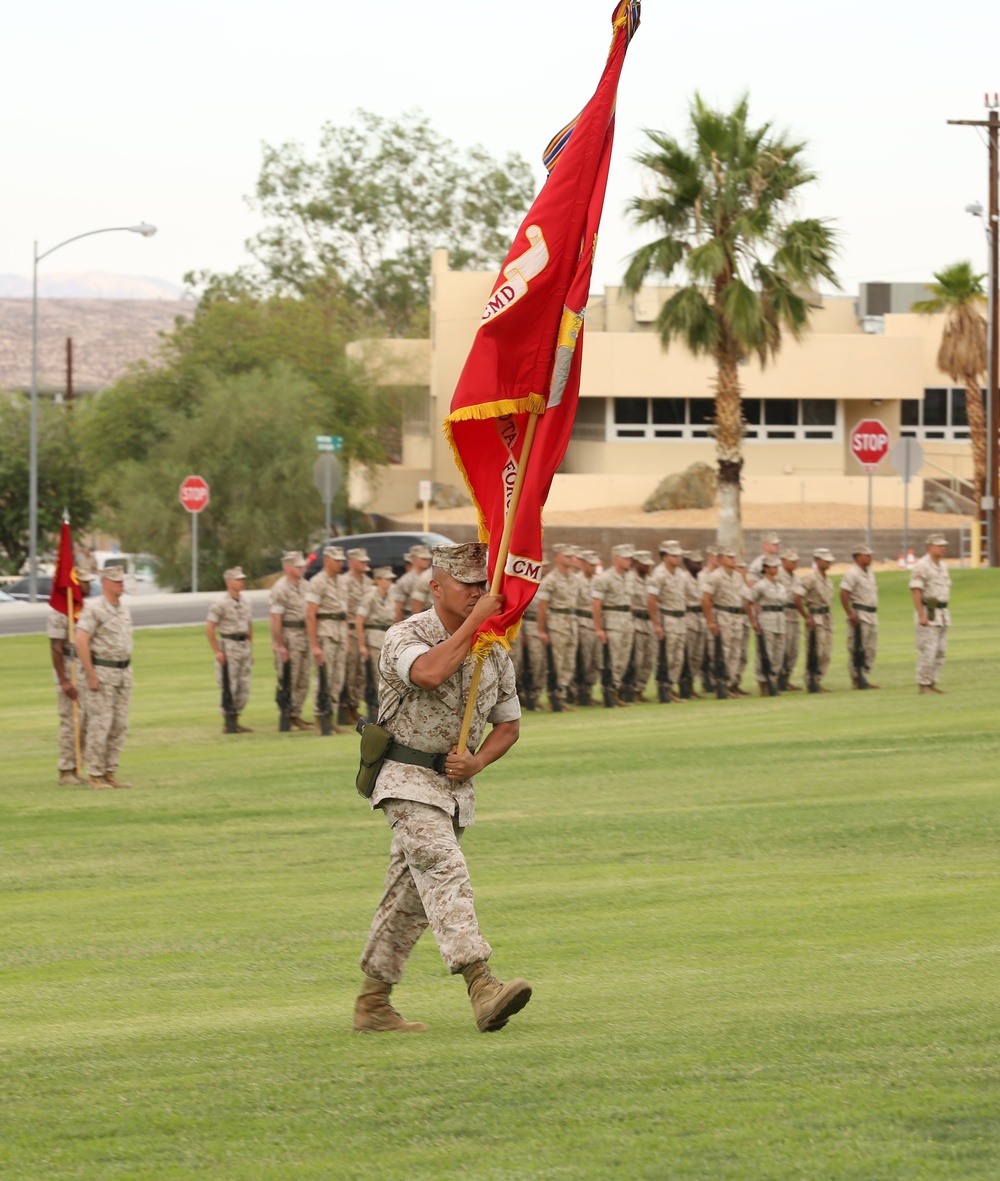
(498, 569)
(72, 678)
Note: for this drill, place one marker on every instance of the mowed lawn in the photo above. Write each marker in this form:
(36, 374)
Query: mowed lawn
(762, 934)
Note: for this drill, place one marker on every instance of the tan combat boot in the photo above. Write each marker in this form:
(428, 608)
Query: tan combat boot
(70, 779)
(493, 1003)
(109, 777)
(99, 782)
(374, 1014)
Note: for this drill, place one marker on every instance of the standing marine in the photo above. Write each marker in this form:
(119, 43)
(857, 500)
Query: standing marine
(230, 636)
(930, 586)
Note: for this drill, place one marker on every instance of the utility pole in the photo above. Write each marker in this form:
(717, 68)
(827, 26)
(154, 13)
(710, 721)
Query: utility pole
(989, 504)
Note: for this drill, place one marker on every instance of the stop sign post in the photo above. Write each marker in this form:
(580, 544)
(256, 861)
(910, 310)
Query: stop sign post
(194, 497)
(869, 446)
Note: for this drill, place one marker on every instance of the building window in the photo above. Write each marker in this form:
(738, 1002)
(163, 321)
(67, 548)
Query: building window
(939, 414)
(767, 419)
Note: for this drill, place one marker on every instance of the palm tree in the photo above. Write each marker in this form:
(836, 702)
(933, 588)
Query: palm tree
(959, 293)
(724, 206)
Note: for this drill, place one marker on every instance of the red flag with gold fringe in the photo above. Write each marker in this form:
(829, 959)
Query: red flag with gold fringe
(65, 587)
(525, 359)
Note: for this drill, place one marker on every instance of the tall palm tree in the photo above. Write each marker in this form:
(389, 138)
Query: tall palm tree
(959, 293)
(724, 205)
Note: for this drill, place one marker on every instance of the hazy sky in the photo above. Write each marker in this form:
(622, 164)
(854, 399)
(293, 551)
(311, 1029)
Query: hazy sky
(113, 113)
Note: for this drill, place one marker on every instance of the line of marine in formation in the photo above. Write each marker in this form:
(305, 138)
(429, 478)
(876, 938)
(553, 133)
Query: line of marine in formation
(678, 622)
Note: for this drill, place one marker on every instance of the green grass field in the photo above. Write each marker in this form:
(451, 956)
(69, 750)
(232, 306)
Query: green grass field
(762, 936)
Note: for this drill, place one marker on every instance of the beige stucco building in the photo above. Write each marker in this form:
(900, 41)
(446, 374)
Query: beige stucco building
(645, 412)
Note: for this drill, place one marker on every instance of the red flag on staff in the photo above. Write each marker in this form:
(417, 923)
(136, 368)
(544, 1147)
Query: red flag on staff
(64, 578)
(525, 359)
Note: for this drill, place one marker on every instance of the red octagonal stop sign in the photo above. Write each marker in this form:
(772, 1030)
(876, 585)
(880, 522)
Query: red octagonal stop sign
(194, 494)
(870, 442)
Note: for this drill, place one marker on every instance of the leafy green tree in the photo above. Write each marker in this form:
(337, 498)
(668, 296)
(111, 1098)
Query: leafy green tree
(61, 480)
(252, 437)
(359, 220)
(959, 295)
(723, 206)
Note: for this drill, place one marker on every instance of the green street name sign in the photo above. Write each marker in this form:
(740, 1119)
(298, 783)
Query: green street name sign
(329, 442)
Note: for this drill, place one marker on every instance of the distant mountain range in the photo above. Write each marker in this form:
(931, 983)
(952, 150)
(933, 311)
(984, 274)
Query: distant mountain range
(90, 285)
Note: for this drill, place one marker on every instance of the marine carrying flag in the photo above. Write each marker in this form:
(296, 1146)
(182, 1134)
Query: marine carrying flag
(64, 580)
(525, 358)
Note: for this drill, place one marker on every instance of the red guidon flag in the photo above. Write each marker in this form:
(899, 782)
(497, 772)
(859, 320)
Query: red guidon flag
(526, 356)
(65, 587)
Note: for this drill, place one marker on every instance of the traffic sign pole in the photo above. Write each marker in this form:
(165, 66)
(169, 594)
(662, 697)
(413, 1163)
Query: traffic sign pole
(869, 444)
(194, 553)
(194, 495)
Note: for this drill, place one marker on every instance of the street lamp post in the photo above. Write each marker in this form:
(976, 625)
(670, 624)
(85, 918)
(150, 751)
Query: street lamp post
(988, 509)
(147, 231)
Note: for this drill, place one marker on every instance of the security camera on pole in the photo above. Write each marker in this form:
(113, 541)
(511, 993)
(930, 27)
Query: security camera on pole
(869, 446)
(194, 497)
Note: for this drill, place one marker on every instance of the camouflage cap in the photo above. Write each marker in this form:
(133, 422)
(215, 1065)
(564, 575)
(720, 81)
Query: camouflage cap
(357, 555)
(937, 539)
(643, 557)
(694, 555)
(293, 557)
(860, 549)
(591, 557)
(575, 551)
(83, 575)
(724, 553)
(771, 562)
(420, 551)
(333, 551)
(741, 563)
(823, 554)
(770, 538)
(383, 572)
(233, 572)
(114, 573)
(789, 555)
(560, 548)
(623, 551)
(465, 562)
(712, 549)
(674, 548)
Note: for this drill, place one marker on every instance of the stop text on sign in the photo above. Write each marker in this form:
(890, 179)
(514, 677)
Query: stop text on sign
(194, 494)
(870, 442)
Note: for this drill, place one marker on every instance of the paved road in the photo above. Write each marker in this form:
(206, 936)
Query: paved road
(28, 619)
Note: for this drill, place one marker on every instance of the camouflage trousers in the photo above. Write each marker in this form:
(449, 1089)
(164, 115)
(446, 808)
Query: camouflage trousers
(824, 642)
(67, 736)
(774, 642)
(590, 656)
(694, 643)
(239, 661)
(528, 655)
(107, 722)
(354, 674)
(732, 633)
(869, 646)
(793, 636)
(297, 643)
(744, 657)
(427, 885)
(619, 654)
(335, 663)
(374, 638)
(563, 635)
(644, 648)
(676, 637)
(932, 647)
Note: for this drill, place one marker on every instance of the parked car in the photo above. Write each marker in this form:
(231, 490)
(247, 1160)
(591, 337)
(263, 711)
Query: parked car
(140, 571)
(20, 590)
(384, 549)
(6, 598)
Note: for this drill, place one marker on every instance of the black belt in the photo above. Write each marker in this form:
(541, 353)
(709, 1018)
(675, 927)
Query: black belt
(333, 615)
(69, 651)
(772, 608)
(110, 663)
(674, 614)
(926, 604)
(562, 610)
(616, 608)
(418, 758)
(694, 611)
(234, 636)
(862, 607)
(731, 610)
(585, 614)
(293, 623)
(819, 610)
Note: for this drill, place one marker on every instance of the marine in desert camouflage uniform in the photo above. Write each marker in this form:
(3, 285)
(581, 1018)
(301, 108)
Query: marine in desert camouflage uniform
(327, 626)
(230, 636)
(741, 570)
(644, 638)
(376, 614)
(765, 608)
(666, 607)
(289, 640)
(426, 790)
(697, 628)
(589, 648)
(69, 688)
(813, 591)
(770, 545)
(611, 607)
(104, 647)
(557, 623)
(722, 603)
(930, 587)
(789, 559)
(859, 598)
(402, 592)
(356, 584)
